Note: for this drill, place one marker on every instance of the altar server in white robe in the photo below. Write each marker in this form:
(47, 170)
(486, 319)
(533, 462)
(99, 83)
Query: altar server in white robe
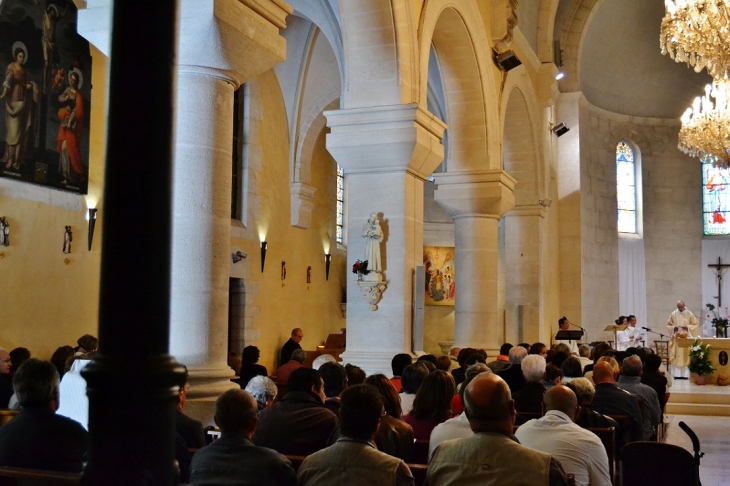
(631, 337)
(681, 324)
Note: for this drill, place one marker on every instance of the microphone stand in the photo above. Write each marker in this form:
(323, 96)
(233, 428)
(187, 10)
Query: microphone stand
(654, 332)
(585, 333)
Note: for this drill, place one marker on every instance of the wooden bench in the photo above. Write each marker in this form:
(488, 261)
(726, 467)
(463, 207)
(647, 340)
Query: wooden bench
(15, 476)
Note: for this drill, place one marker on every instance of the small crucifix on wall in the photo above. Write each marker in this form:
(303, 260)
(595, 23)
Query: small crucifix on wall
(719, 267)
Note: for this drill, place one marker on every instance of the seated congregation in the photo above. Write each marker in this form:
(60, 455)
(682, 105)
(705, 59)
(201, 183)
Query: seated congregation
(532, 415)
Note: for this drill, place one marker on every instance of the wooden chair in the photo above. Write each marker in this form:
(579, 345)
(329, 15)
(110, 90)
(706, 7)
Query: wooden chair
(645, 463)
(420, 452)
(419, 473)
(662, 350)
(15, 476)
(7, 415)
(608, 438)
(296, 461)
(624, 425)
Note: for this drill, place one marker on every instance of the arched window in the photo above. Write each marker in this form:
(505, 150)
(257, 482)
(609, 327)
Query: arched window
(715, 198)
(340, 205)
(626, 188)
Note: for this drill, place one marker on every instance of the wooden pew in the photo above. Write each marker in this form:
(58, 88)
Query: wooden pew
(419, 473)
(15, 476)
(420, 452)
(7, 415)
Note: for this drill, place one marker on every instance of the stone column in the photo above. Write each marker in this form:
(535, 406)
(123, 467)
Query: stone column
(386, 153)
(222, 44)
(476, 201)
(523, 238)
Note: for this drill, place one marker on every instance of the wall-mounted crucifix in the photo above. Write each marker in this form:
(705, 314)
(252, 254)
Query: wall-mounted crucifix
(719, 267)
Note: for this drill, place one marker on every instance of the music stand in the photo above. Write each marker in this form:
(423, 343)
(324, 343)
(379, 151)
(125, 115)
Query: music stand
(615, 328)
(569, 335)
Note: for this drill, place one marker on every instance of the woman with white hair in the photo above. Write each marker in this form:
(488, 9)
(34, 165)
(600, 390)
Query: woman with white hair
(263, 390)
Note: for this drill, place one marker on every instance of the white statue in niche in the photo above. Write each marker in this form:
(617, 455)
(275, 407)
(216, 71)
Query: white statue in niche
(373, 234)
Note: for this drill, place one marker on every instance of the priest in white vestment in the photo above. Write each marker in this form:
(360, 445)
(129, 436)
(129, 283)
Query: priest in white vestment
(681, 324)
(564, 325)
(631, 337)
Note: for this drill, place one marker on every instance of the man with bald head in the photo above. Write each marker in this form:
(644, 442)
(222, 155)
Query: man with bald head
(609, 399)
(492, 455)
(580, 451)
(291, 345)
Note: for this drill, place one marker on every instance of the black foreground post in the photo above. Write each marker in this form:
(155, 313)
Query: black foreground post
(131, 381)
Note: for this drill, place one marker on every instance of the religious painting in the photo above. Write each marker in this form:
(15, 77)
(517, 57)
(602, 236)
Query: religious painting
(715, 199)
(440, 275)
(45, 95)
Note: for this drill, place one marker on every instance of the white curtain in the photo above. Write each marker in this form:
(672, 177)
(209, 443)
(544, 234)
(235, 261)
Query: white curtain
(711, 251)
(632, 279)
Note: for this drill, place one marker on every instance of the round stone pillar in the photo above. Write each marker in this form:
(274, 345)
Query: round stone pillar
(476, 201)
(476, 238)
(201, 228)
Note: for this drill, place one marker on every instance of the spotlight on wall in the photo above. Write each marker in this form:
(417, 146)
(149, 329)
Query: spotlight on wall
(92, 225)
(506, 60)
(264, 245)
(560, 129)
(327, 259)
(238, 256)
(546, 203)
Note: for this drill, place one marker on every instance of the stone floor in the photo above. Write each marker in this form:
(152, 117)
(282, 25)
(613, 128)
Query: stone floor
(714, 435)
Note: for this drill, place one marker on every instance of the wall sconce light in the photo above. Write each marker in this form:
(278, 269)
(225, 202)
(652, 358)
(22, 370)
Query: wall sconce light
(238, 256)
(92, 225)
(327, 259)
(560, 129)
(264, 245)
(546, 203)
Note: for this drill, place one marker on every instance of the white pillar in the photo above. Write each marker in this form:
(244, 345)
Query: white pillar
(386, 153)
(219, 50)
(476, 201)
(201, 228)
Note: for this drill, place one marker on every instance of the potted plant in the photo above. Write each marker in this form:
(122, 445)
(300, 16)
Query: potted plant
(719, 322)
(699, 361)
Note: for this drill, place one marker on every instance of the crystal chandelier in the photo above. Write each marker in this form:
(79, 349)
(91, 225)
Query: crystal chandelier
(698, 32)
(705, 131)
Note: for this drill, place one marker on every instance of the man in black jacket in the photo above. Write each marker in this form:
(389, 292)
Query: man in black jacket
(299, 423)
(293, 343)
(37, 437)
(190, 429)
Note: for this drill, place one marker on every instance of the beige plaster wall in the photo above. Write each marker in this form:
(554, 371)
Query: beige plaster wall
(45, 302)
(283, 304)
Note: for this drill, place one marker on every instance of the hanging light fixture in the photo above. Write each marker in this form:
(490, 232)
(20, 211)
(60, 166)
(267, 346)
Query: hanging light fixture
(705, 131)
(698, 32)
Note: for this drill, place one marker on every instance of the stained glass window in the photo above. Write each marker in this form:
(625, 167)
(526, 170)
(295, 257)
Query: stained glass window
(715, 199)
(625, 188)
(340, 204)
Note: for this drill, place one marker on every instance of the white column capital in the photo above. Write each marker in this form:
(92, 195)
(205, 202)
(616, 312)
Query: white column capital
(397, 138)
(527, 210)
(483, 193)
(219, 35)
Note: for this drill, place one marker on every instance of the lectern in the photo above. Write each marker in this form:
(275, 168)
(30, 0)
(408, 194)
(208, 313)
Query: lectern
(615, 328)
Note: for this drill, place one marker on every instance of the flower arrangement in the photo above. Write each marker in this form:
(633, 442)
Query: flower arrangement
(719, 322)
(699, 359)
(360, 268)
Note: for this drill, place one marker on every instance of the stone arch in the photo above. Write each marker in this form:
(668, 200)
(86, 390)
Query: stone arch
(379, 41)
(572, 34)
(455, 30)
(546, 29)
(301, 190)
